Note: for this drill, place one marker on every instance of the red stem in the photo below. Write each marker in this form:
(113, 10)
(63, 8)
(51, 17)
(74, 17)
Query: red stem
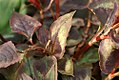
(57, 8)
(80, 52)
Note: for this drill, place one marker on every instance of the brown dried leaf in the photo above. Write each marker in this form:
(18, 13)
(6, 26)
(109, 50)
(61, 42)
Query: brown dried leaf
(8, 55)
(24, 24)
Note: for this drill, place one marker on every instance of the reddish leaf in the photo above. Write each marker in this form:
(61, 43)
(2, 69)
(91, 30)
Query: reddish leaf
(106, 12)
(109, 55)
(24, 24)
(67, 5)
(24, 76)
(8, 55)
(59, 33)
(43, 35)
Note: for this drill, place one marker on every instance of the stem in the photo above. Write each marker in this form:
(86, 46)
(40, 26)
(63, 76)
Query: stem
(49, 6)
(52, 13)
(96, 38)
(41, 16)
(79, 52)
(57, 8)
(111, 76)
(2, 38)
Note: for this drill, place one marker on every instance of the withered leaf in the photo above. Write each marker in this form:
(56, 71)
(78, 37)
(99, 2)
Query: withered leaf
(59, 32)
(109, 55)
(46, 68)
(24, 24)
(8, 55)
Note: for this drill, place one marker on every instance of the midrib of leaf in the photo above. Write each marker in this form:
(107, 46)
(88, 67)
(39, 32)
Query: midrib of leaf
(12, 51)
(63, 22)
(25, 30)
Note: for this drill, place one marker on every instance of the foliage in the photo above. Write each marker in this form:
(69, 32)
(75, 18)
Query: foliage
(51, 43)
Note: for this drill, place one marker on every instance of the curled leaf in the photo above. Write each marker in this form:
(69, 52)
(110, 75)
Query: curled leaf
(59, 33)
(24, 24)
(8, 55)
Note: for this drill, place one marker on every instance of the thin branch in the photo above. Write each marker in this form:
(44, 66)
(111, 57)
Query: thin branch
(57, 8)
(49, 6)
(2, 38)
(96, 38)
(111, 76)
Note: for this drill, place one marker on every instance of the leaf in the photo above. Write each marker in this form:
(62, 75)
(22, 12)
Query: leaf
(43, 35)
(101, 3)
(109, 55)
(67, 5)
(59, 32)
(46, 68)
(65, 66)
(8, 55)
(24, 24)
(80, 73)
(104, 10)
(115, 31)
(74, 37)
(24, 76)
